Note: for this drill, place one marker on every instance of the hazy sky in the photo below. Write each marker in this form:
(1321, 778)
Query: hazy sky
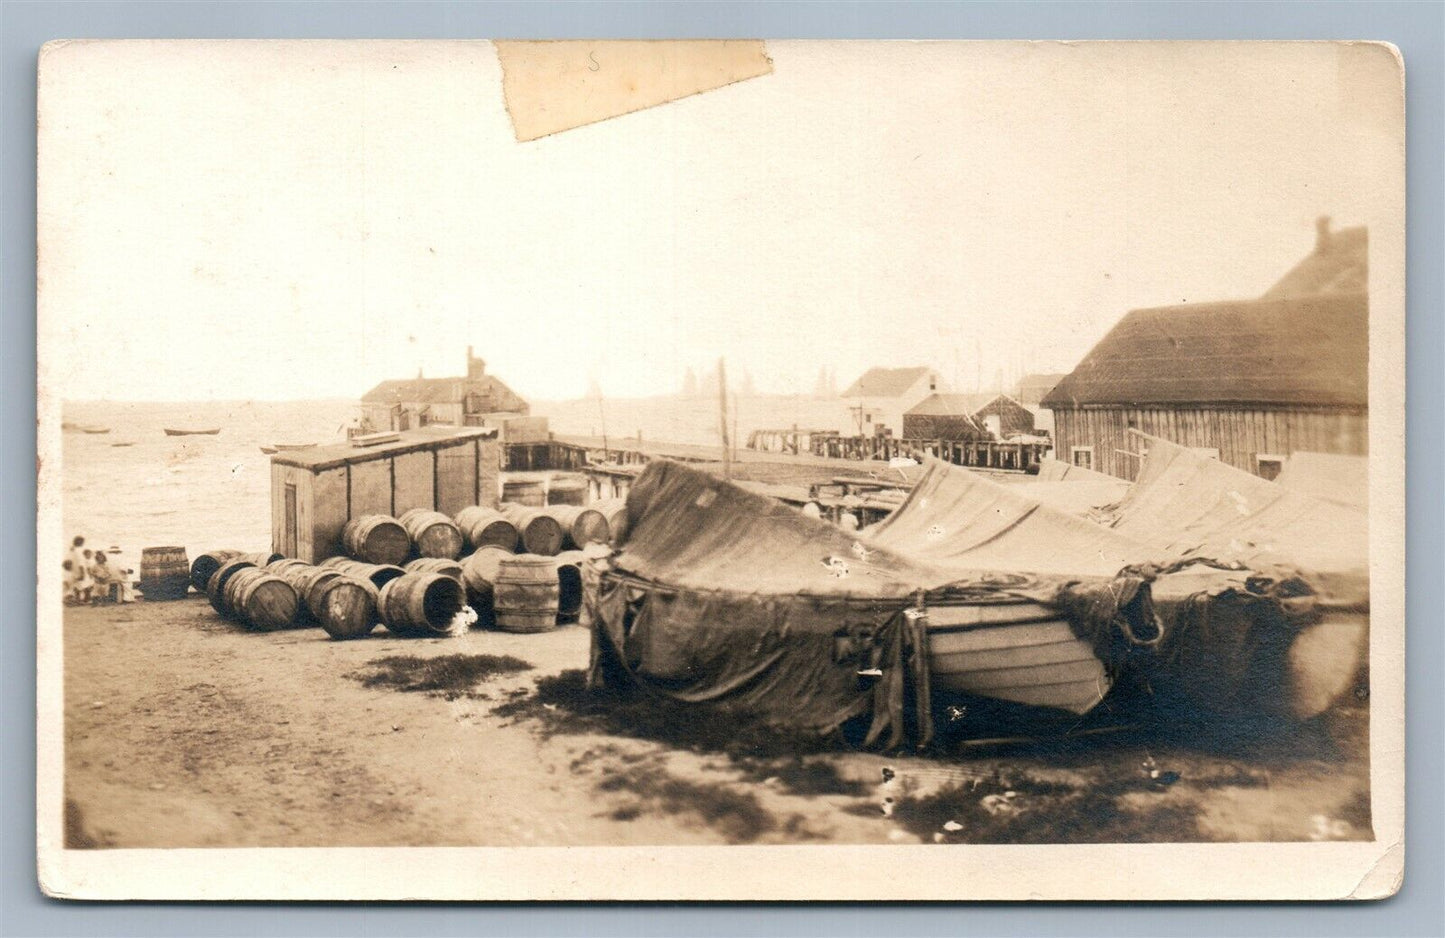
(286, 220)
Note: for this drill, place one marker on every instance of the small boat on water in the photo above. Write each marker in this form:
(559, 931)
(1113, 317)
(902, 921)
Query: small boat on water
(95, 429)
(212, 431)
(82, 428)
(123, 444)
(269, 450)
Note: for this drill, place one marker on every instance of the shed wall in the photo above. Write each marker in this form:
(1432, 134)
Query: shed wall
(1240, 434)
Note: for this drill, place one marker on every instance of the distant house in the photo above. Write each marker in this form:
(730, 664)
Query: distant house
(1032, 388)
(878, 400)
(1004, 417)
(468, 401)
(943, 417)
(1248, 381)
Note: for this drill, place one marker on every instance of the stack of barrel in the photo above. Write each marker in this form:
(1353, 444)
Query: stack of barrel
(524, 573)
(519, 568)
(269, 592)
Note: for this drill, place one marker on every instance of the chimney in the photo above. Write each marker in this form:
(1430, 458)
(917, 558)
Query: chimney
(1323, 239)
(476, 367)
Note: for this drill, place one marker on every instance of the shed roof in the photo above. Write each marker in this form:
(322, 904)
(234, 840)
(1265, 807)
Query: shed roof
(340, 454)
(951, 405)
(1303, 351)
(885, 382)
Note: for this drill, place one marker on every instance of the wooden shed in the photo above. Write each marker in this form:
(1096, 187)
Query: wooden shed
(315, 492)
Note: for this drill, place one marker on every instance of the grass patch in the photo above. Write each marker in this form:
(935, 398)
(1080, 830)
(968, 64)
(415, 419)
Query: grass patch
(448, 676)
(1028, 810)
(737, 816)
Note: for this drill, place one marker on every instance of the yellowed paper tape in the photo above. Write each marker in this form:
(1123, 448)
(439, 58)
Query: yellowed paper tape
(558, 85)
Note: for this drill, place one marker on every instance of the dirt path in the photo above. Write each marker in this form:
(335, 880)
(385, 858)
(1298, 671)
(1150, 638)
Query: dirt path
(184, 730)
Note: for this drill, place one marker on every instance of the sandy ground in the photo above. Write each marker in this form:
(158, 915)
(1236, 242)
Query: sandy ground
(185, 730)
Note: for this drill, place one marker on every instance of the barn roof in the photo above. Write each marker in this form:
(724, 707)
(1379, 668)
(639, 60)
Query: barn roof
(1338, 264)
(885, 382)
(1302, 351)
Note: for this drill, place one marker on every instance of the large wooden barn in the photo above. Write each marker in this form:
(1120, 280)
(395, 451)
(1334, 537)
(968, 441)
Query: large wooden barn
(1249, 382)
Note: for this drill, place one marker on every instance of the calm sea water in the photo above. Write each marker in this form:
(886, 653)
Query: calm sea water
(207, 492)
(199, 492)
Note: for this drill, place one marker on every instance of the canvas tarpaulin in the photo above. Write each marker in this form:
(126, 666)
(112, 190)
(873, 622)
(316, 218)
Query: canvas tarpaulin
(722, 597)
(1215, 622)
(1192, 506)
(964, 521)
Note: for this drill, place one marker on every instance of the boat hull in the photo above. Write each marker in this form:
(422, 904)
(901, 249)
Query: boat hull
(1019, 653)
(173, 432)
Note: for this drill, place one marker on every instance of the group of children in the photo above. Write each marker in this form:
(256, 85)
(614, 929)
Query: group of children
(91, 578)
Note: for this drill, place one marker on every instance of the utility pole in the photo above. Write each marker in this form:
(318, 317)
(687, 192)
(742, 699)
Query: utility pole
(722, 391)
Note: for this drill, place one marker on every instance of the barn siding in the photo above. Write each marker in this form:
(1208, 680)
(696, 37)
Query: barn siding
(414, 487)
(328, 514)
(1240, 434)
(456, 469)
(370, 491)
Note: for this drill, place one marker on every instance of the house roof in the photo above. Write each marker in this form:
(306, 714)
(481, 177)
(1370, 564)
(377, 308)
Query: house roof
(1303, 351)
(433, 390)
(1037, 385)
(1002, 401)
(1338, 264)
(952, 405)
(885, 382)
(1042, 379)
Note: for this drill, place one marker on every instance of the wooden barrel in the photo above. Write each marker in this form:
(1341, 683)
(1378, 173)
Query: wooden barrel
(216, 585)
(539, 533)
(261, 599)
(485, 527)
(309, 588)
(284, 566)
(615, 511)
(524, 491)
(165, 573)
(432, 534)
(525, 594)
(264, 558)
(208, 563)
(377, 539)
(439, 565)
(580, 526)
(479, 576)
(569, 583)
(298, 573)
(377, 574)
(420, 604)
(345, 606)
(567, 490)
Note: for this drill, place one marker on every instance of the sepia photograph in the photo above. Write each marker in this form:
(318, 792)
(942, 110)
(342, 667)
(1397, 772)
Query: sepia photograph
(720, 470)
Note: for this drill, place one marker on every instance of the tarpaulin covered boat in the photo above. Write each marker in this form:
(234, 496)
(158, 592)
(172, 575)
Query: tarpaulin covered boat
(1026, 652)
(722, 596)
(1283, 627)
